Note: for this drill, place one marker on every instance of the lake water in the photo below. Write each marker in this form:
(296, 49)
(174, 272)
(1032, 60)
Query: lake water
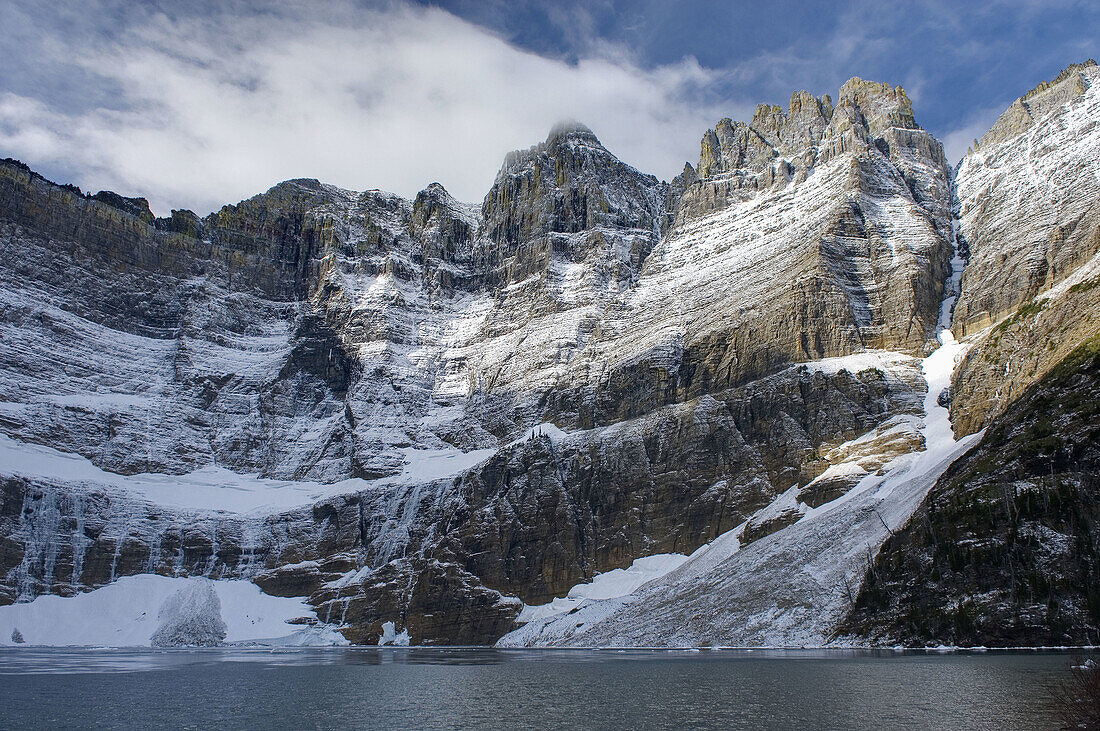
(482, 688)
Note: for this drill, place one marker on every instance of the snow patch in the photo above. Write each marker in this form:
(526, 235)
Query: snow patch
(785, 503)
(883, 360)
(135, 611)
(839, 470)
(546, 429)
(608, 585)
(426, 465)
(218, 489)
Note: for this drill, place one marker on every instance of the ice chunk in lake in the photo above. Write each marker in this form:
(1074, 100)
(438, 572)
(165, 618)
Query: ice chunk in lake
(192, 617)
(390, 635)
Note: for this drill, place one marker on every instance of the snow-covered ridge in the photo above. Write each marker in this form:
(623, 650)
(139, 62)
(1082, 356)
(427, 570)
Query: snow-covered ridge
(217, 489)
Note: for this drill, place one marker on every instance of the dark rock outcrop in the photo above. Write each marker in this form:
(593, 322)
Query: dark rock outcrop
(1006, 548)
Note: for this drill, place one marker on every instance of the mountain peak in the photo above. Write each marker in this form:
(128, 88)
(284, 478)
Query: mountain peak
(1042, 100)
(136, 207)
(1070, 71)
(435, 189)
(882, 105)
(571, 129)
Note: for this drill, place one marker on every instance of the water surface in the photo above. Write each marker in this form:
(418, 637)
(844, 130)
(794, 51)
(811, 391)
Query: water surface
(484, 688)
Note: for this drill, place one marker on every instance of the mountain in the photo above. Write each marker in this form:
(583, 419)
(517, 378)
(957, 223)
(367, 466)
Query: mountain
(461, 424)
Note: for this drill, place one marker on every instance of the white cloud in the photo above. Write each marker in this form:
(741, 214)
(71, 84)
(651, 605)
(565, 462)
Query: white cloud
(215, 109)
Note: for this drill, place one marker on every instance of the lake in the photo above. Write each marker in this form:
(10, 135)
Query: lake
(343, 688)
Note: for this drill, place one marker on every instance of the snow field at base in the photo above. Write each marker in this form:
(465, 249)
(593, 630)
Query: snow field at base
(608, 585)
(609, 591)
(128, 612)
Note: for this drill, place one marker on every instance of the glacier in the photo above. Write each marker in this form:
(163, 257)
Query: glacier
(130, 611)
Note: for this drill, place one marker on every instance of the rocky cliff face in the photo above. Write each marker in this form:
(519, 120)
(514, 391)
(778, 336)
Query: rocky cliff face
(1031, 224)
(1027, 198)
(570, 201)
(849, 203)
(433, 414)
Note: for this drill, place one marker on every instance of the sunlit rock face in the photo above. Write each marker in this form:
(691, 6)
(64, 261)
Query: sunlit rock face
(801, 235)
(1029, 214)
(1027, 197)
(473, 406)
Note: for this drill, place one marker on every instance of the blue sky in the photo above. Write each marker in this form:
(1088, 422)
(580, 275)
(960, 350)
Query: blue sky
(194, 104)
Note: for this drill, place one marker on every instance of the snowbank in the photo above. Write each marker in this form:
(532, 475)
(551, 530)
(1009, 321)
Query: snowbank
(608, 585)
(192, 617)
(216, 488)
(390, 636)
(883, 360)
(130, 611)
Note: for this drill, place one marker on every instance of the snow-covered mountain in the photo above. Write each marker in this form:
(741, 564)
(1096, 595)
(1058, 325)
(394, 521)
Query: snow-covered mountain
(434, 421)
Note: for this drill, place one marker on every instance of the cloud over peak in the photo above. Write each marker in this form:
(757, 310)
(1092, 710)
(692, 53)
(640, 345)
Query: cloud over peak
(214, 107)
(195, 103)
